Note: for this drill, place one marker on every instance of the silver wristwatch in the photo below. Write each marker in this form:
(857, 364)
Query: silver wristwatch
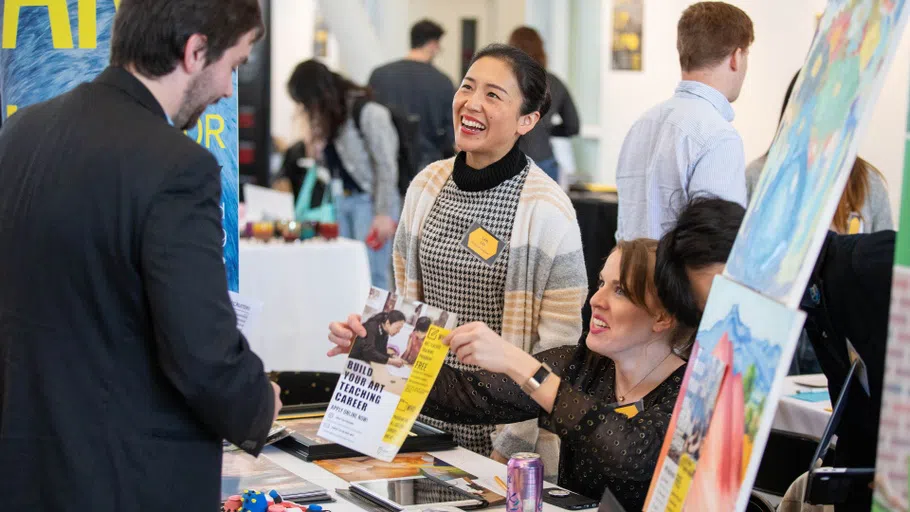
(537, 380)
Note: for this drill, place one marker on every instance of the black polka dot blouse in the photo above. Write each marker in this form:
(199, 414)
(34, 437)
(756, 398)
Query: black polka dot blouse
(600, 448)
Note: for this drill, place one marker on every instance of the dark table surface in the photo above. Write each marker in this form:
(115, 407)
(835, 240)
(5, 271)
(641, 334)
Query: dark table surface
(597, 218)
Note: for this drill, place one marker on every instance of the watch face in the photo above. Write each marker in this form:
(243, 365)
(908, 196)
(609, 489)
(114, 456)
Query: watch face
(541, 374)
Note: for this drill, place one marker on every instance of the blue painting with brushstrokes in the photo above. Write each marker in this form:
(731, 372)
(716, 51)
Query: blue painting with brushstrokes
(811, 157)
(34, 71)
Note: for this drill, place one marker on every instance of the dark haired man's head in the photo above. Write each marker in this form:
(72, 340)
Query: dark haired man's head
(425, 39)
(185, 51)
(693, 252)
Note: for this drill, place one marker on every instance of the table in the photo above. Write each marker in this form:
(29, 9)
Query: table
(467, 460)
(303, 287)
(800, 416)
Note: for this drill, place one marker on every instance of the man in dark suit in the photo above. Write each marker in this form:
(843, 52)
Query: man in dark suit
(121, 367)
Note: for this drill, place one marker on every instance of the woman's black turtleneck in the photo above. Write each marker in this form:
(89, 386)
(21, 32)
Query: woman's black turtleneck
(475, 180)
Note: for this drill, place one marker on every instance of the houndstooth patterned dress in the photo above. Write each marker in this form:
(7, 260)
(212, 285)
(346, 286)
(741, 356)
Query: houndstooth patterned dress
(456, 280)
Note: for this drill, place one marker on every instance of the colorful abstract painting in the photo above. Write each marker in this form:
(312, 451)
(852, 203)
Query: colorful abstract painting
(51, 46)
(892, 477)
(754, 337)
(814, 150)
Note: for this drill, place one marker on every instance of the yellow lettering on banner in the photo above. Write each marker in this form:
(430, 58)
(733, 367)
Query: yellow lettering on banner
(10, 110)
(214, 132)
(58, 13)
(432, 355)
(88, 24)
(199, 131)
(213, 127)
(682, 483)
(61, 33)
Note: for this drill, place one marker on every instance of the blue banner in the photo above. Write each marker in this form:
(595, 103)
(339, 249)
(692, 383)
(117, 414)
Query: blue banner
(51, 46)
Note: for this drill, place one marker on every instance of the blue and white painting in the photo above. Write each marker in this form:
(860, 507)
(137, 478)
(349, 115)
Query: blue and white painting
(48, 50)
(814, 150)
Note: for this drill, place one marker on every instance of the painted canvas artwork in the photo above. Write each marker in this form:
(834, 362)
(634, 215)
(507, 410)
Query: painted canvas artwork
(628, 23)
(754, 337)
(813, 152)
(892, 476)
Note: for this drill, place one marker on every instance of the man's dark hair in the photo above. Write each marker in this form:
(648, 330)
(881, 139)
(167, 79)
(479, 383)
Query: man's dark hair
(425, 31)
(704, 234)
(151, 35)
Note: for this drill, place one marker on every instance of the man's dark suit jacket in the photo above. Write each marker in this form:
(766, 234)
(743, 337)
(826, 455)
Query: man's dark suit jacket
(121, 367)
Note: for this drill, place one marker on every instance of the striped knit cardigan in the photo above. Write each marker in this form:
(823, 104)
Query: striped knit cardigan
(546, 283)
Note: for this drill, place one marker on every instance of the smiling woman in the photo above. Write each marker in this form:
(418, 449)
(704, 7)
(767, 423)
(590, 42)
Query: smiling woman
(487, 235)
(608, 399)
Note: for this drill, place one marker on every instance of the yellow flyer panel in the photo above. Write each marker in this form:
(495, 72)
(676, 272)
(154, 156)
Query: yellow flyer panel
(681, 484)
(426, 368)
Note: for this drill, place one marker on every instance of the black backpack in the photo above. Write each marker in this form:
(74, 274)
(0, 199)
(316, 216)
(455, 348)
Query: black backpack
(408, 133)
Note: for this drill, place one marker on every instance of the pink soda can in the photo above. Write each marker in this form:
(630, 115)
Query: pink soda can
(524, 483)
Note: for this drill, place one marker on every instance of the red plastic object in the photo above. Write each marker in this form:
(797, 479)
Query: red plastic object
(328, 231)
(373, 241)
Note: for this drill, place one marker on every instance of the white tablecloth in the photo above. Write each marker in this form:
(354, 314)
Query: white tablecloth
(303, 287)
(800, 416)
(469, 461)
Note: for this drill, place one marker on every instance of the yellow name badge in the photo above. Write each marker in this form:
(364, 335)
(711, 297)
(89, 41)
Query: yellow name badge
(854, 224)
(630, 410)
(483, 244)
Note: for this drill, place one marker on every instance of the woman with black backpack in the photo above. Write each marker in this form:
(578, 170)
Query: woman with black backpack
(361, 152)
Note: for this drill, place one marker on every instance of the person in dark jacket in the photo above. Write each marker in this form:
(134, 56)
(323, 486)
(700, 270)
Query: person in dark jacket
(847, 298)
(121, 365)
(416, 87)
(536, 144)
(373, 348)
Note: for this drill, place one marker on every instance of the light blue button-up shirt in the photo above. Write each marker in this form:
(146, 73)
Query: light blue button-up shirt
(682, 148)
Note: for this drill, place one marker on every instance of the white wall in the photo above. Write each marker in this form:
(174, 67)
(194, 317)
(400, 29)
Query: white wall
(883, 144)
(293, 25)
(293, 22)
(783, 33)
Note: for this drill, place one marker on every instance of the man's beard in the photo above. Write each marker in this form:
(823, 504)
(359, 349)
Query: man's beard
(196, 99)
